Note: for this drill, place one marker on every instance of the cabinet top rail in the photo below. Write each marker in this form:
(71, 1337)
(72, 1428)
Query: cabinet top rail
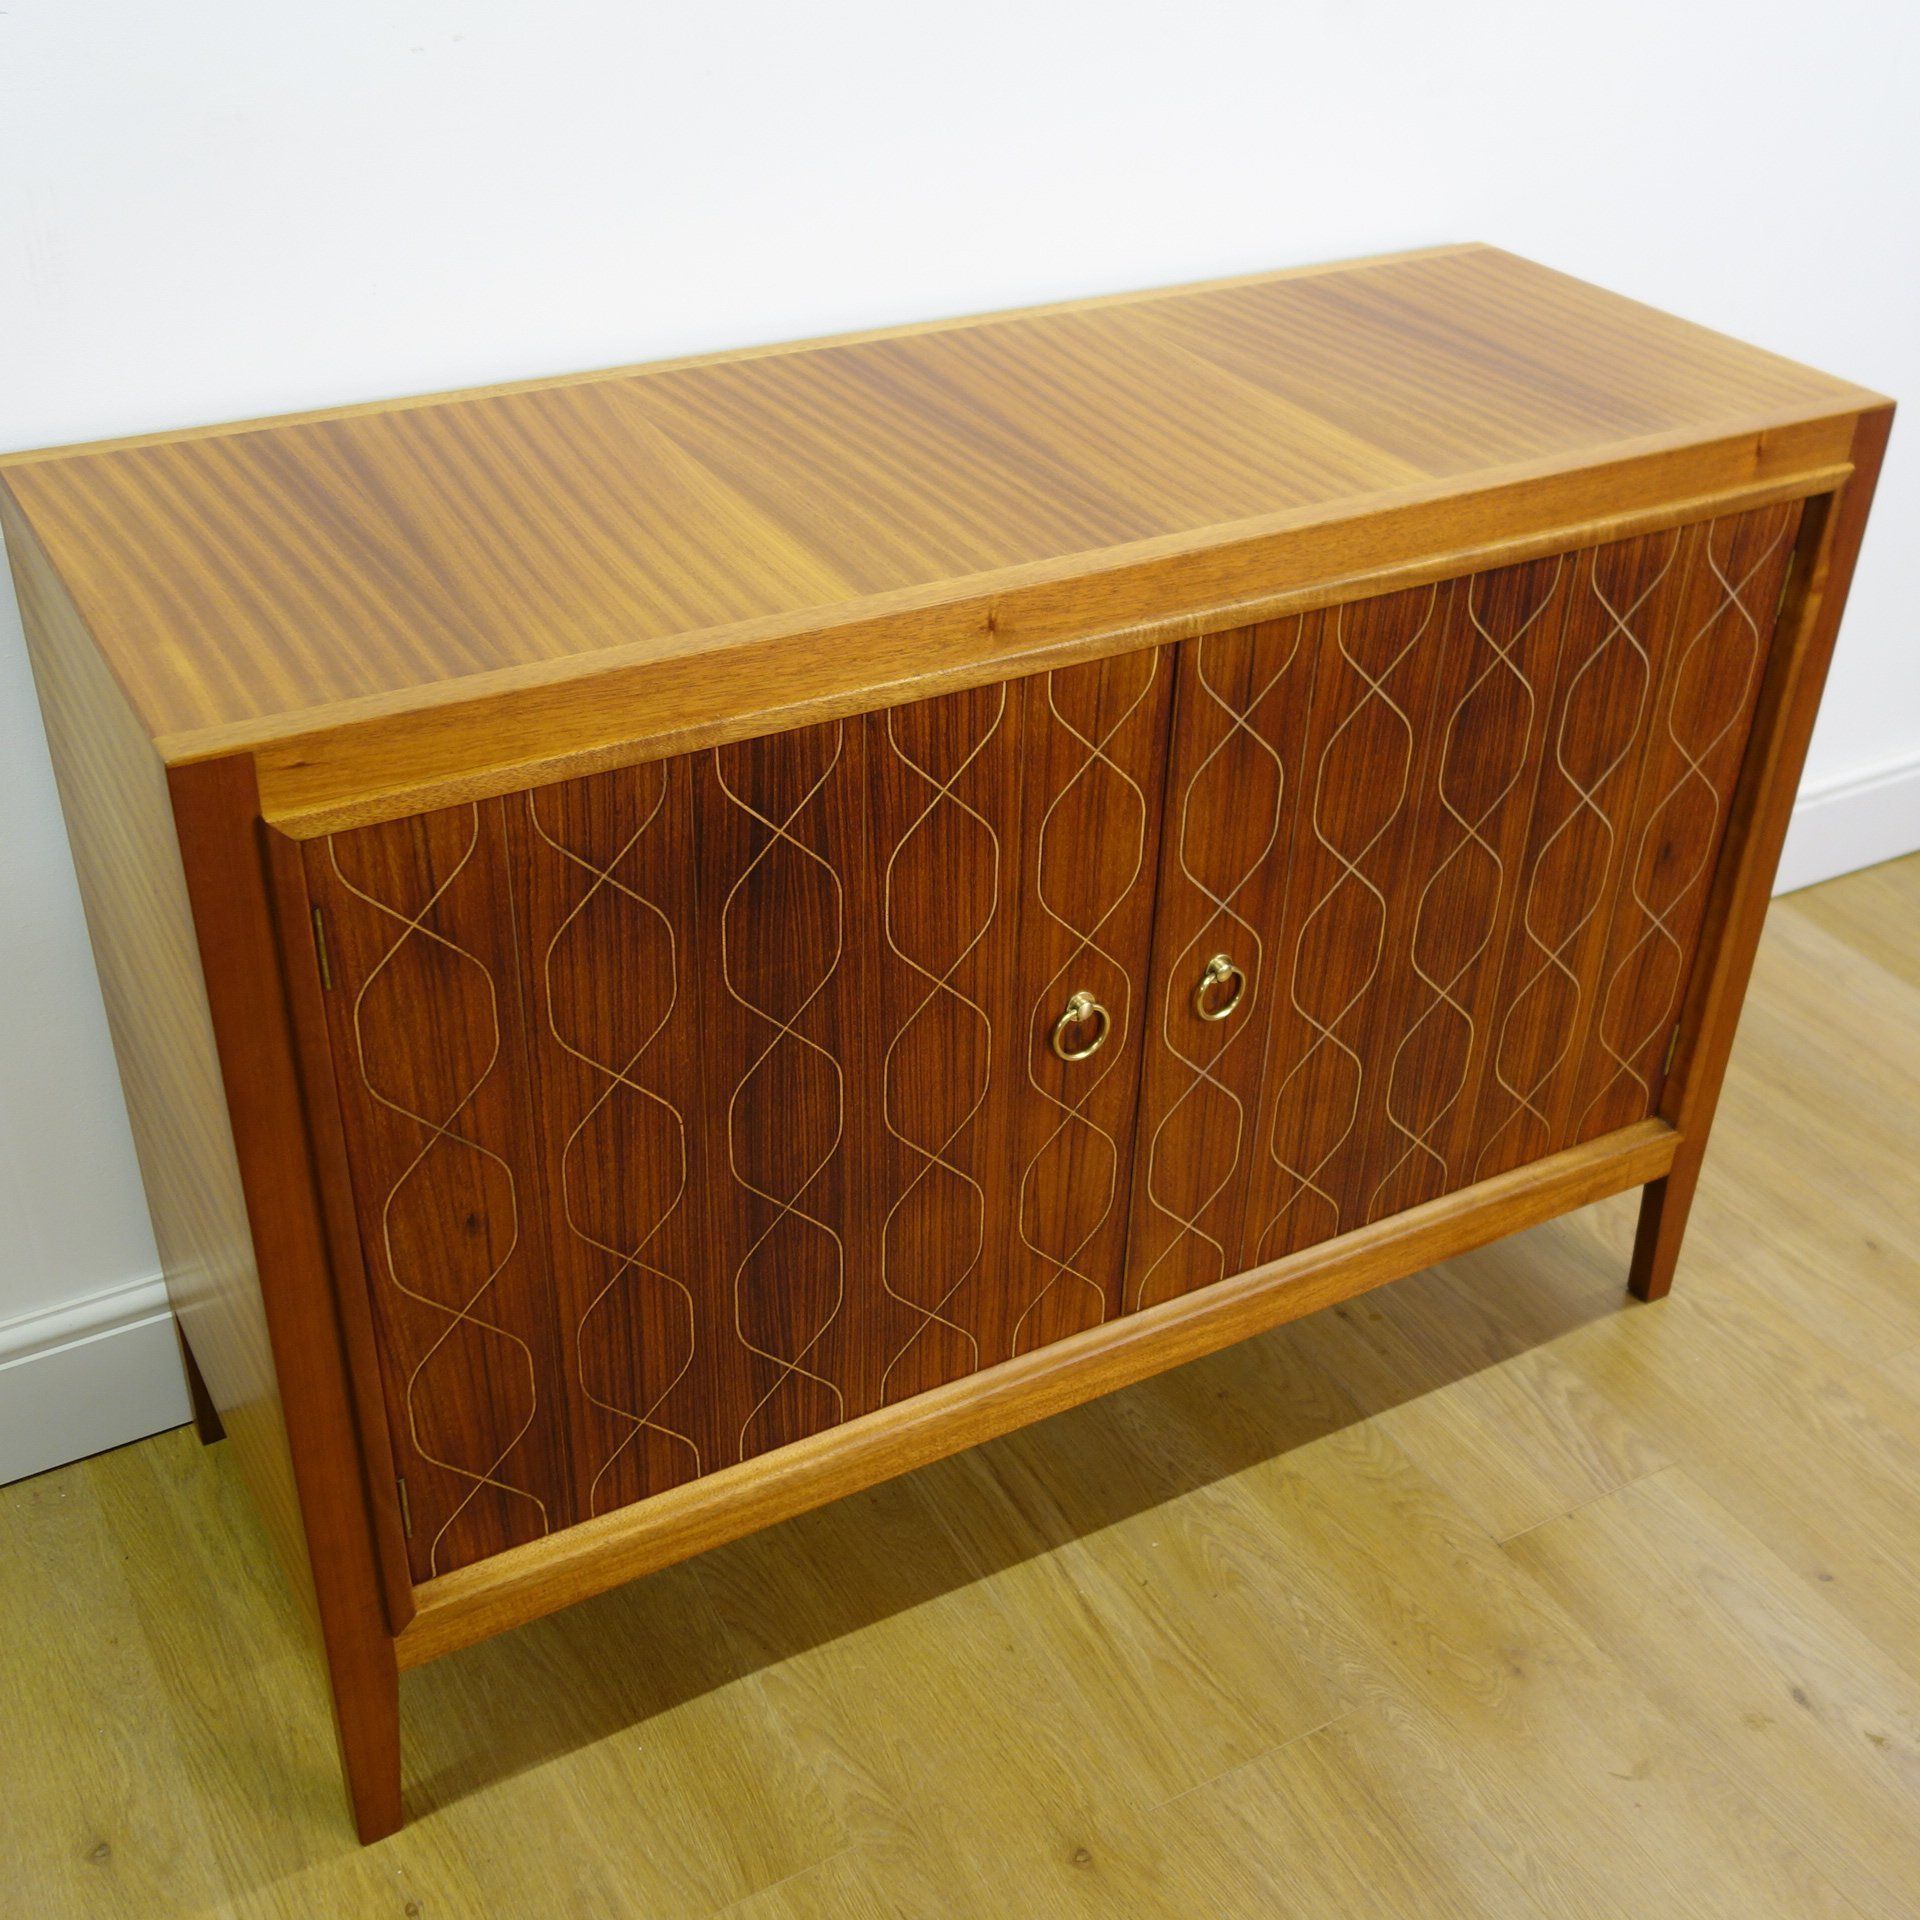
(288, 580)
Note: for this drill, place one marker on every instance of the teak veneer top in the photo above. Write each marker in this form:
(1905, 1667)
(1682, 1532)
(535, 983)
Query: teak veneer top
(405, 593)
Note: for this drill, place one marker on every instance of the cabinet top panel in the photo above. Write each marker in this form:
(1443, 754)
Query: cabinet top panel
(271, 580)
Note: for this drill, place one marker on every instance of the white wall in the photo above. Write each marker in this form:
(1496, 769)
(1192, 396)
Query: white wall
(224, 207)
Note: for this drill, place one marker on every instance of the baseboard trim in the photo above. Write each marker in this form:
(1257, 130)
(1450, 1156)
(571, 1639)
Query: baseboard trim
(1850, 821)
(87, 1375)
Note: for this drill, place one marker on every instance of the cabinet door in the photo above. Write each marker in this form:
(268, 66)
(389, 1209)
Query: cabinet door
(1453, 846)
(697, 1107)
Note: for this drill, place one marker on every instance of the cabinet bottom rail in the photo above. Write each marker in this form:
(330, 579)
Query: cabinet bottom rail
(526, 1582)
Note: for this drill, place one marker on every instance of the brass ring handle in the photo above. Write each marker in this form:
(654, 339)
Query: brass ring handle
(1080, 1009)
(1219, 971)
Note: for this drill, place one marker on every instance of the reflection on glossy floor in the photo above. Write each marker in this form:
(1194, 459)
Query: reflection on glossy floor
(1488, 1594)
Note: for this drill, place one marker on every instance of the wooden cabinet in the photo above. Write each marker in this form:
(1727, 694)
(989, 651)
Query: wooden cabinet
(684, 941)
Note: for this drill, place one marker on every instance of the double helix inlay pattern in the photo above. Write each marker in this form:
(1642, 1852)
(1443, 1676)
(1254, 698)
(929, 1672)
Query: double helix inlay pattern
(933, 1157)
(1468, 880)
(1719, 667)
(788, 1209)
(1201, 1050)
(1578, 853)
(629, 1265)
(1125, 820)
(441, 1136)
(1324, 1021)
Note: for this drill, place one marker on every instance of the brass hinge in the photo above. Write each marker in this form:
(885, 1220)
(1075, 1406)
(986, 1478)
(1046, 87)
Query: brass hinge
(406, 1512)
(1673, 1047)
(320, 949)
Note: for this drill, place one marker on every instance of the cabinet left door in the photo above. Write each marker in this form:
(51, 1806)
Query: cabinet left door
(696, 1107)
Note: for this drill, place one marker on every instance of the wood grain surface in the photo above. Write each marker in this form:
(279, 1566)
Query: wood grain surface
(499, 554)
(178, 897)
(425, 1014)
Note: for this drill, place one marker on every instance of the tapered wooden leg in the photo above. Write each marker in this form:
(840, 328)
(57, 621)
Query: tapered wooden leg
(1664, 1206)
(206, 1416)
(366, 1717)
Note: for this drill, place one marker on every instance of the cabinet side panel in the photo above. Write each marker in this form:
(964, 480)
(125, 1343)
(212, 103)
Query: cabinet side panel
(1233, 808)
(120, 824)
(425, 1016)
(1703, 711)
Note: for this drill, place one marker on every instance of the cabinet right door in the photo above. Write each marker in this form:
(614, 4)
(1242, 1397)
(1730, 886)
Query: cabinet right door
(1432, 877)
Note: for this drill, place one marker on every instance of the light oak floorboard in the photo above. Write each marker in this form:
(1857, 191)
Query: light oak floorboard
(1875, 912)
(1487, 1594)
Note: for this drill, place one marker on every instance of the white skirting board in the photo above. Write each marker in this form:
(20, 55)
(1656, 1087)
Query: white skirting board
(99, 1372)
(88, 1375)
(1854, 820)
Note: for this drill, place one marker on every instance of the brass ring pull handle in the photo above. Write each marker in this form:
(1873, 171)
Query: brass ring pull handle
(1220, 971)
(1080, 1009)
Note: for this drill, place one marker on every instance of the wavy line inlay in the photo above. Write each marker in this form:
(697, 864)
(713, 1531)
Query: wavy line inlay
(630, 1265)
(441, 1133)
(1306, 1179)
(787, 1207)
(1471, 840)
(1693, 773)
(933, 1157)
(1045, 1007)
(1174, 1023)
(1552, 964)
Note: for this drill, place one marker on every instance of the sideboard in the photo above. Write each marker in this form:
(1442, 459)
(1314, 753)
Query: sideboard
(685, 939)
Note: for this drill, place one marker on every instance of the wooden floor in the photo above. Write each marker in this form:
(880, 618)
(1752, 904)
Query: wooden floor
(1490, 1594)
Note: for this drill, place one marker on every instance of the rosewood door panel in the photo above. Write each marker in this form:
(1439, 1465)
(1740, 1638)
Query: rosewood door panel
(424, 1020)
(1388, 671)
(1427, 1019)
(1467, 866)
(943, 784)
